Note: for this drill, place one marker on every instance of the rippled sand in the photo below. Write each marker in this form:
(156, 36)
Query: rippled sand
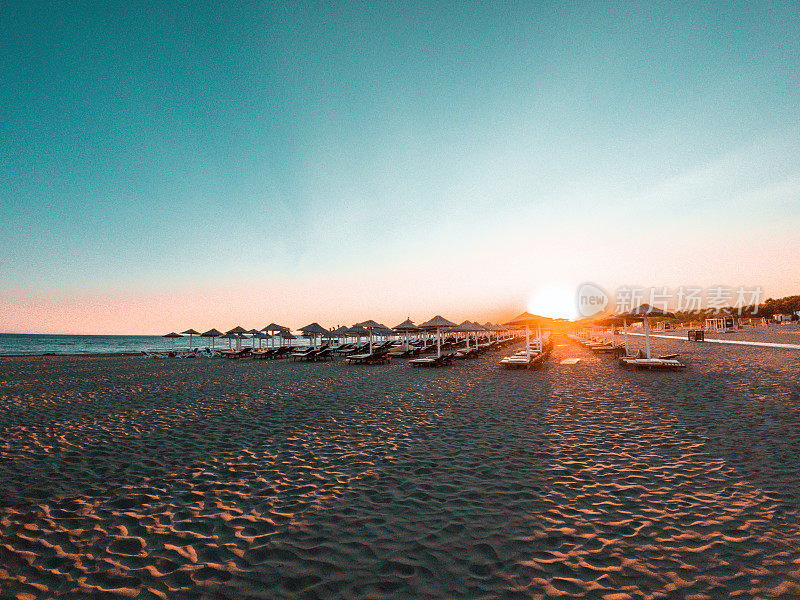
(213, 479)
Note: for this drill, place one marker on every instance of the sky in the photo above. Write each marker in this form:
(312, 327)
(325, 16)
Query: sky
(176, 165)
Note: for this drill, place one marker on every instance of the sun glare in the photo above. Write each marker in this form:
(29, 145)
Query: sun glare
(554, 300)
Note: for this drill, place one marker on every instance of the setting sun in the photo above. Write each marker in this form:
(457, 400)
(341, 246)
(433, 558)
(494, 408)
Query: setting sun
(556, 301)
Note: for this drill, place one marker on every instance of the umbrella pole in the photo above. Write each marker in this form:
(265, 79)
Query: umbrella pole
(528, 342)
(647, 336)
(625, 334)
(438, 344)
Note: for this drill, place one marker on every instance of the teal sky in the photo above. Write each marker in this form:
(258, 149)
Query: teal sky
(153, 149)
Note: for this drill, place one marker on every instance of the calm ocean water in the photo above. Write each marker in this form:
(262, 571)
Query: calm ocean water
(13, 343)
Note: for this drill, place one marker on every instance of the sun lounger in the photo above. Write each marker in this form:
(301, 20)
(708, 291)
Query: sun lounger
(522, 361)
(236, 354)
(608, 349)
(663, 364)
(378, 355)
(401, 353)
(432, 361)
(464, 353)
(667, 362)
(149, 354)
(321, 354)
(208, 353)
(302, 354)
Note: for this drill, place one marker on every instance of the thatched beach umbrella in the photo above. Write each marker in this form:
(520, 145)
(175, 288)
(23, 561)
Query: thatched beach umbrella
(190, 333)
(233, 336)
(261, 337)
(288, 336)
(211, 333)
(312, 331)
(172, 335)
(437, 323)
(341, 332)
(613, 321)
(239, 332)
(405, 328)
(358, 332)
(642, 313)
(468, 327)
(370, 326)
(527, 320)
(275, 328)
(253, 335)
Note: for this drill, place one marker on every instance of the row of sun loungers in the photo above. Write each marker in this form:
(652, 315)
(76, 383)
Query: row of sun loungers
(353, 353)
(524, 359)
(433, 361)
(667, 362)
(379, 355)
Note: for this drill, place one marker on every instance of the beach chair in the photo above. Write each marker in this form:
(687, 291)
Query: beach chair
(323, 354)
(149, 354)
(302, 354)
(208, 353)
(432, 361)
(523, 361)
(236, 354)
(379, 355)
(667, 362)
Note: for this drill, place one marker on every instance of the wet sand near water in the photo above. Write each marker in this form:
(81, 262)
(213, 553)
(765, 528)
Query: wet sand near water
(135, 478)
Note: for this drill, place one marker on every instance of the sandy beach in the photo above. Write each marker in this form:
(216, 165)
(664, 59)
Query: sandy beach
(135, 478)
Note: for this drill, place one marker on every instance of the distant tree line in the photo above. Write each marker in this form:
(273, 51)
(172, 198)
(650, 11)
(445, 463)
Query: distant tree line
(771, 306)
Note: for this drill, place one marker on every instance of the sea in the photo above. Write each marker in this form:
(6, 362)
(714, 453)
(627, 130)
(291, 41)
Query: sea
(18, 343)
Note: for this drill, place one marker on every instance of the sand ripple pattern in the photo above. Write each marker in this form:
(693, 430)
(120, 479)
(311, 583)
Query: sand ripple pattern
(132, 478)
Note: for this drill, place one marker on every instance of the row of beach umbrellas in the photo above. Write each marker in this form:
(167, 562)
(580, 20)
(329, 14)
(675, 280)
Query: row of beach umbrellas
(369, 328)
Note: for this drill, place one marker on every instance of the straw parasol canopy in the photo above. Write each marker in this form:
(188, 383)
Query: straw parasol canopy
(437, 323)
(172, 335)
(642, 313)
(645, 310)
(314, 328)
(211, 333)
(407, 325)
(527, 320)
(237, 334)
(190, 333)
(312, 331)
(341, 332)
(358, 332)
(261, 337)
(275, 328)
(468, 327)
(370, 324)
